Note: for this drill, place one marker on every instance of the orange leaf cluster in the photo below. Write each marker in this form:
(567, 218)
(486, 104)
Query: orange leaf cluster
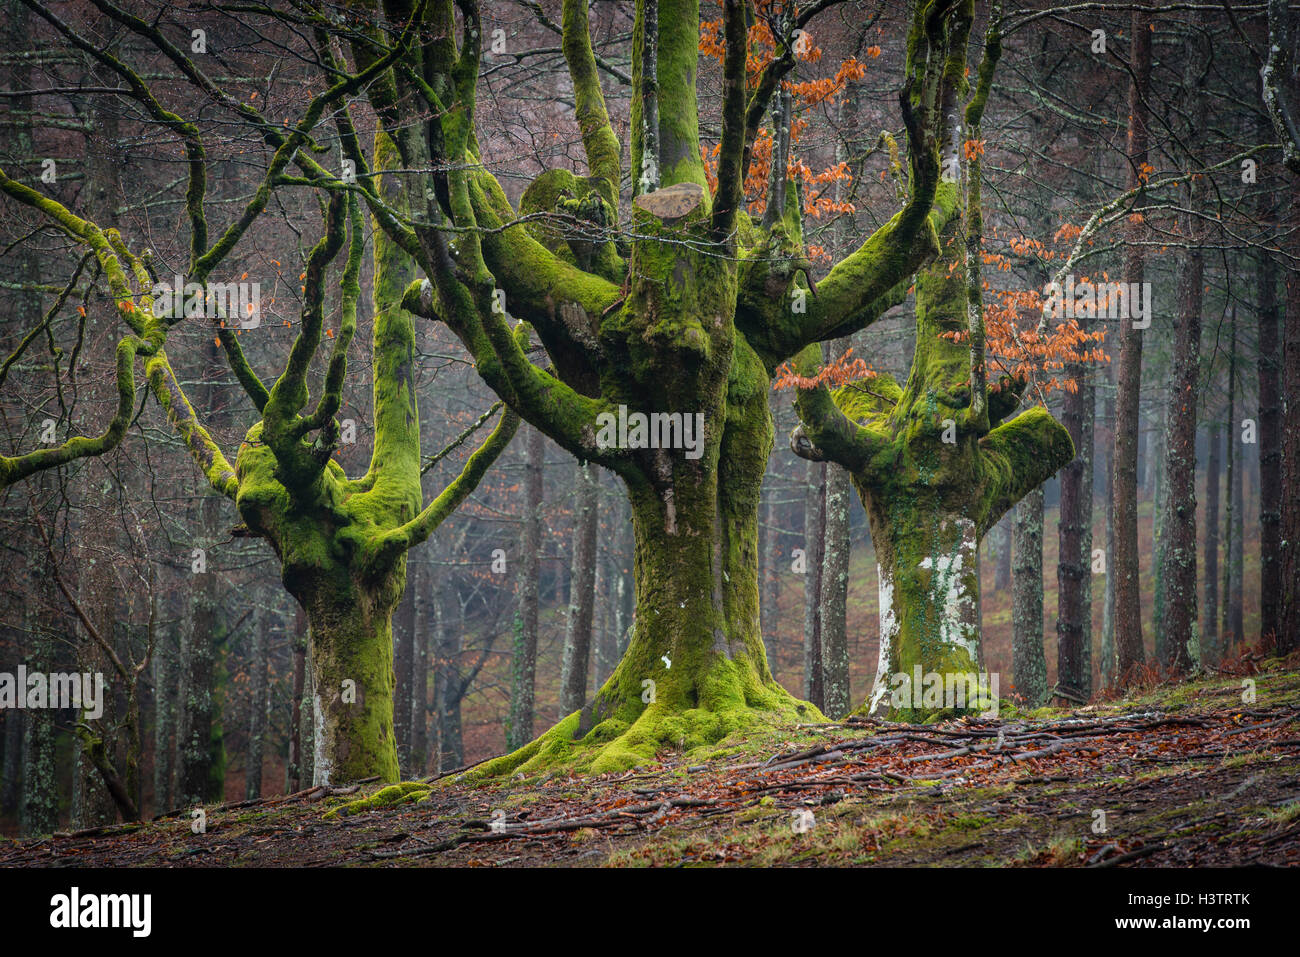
(834, 374)
(762, 48)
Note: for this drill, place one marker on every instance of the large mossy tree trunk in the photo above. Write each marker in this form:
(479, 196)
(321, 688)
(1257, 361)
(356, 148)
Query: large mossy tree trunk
(695, 668)
(932, 484)
(934, 462)
(352, 674)
(694, 323)
(342, 542)
(927, 568)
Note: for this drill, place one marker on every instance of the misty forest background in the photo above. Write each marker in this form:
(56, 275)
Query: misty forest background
(221, 697)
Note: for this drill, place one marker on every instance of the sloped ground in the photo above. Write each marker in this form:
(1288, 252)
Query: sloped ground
(1183, 775)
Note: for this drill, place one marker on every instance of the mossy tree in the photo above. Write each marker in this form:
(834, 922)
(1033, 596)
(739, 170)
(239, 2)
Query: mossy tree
(689, 312)
(936, 461)
(341, 541)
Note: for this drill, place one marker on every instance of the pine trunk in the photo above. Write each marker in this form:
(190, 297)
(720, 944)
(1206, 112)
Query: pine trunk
(1210, 618)
(1179, 623)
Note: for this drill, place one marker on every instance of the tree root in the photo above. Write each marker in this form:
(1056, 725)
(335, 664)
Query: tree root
(614, 745)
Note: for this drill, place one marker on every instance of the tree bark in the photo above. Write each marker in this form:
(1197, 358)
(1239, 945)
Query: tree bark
(1288, 631)
(417, 574)
(576, 666)
(1270, 434)
(1074, 561)
(352, 675)
(198, 751)
(11, 775)
(403, 643)
(835, 595)
(524, 668)
(448, 741)
(1232, 628)
(1029, 664)
(1210, 618)
(293, 768)
(1124, 559)
(257, 705)
(39, 810)
(1182, 639)
(814, 540)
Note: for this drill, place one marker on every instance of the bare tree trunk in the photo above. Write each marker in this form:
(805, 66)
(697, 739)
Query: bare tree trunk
(11, 773)
(582, 579)
(607, 581)
(38, 812)
(403, 640)
(1178, 637)
(1156, 447)
(1210, 638)
(814, 538)
(519, 730)
(197, 734)
(1124, 559)
(293, 769)
(833, 613)
(1231, 631)
(164, 715)
(1107, 663)
(1028, 661)
(625, 596)
(1178, 622)
(1074, 561)
(307, 711)
(446, 690)
(1001, 541)
(1270, 447)
(257, 705)
(417, 582)
(1288, 626)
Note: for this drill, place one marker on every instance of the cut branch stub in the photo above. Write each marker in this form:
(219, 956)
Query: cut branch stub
(673, 202)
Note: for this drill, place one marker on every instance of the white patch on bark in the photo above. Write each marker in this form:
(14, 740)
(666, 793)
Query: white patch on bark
(949, 593)
(888, 632)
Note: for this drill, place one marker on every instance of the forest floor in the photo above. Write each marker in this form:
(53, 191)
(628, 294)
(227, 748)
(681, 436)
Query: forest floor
(1176, 775)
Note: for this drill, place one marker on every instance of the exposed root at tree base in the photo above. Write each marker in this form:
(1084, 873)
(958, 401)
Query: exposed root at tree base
(614, 745)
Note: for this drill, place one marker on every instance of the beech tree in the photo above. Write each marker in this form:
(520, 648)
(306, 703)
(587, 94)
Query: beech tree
(937, 461)
(689, 311)
(341, 540)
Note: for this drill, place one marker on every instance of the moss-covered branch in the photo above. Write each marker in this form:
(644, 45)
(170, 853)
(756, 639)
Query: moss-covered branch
(826, 433)
(598, 140)
(415, 532)
(1020, 455)
(15, 468)
(201, 446)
